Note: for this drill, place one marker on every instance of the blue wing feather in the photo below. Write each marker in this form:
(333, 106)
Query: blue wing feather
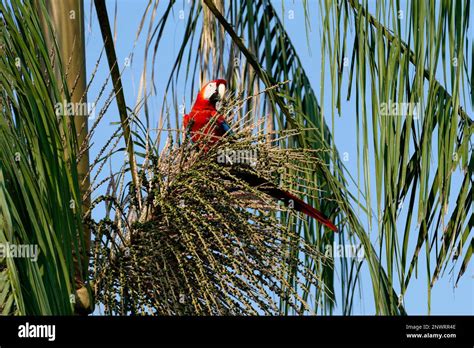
(226, 128)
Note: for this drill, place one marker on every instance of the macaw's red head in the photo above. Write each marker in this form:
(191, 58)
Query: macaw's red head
(211, 93)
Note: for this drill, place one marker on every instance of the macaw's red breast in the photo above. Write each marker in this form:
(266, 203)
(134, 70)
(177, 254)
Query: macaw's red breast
(204, 125)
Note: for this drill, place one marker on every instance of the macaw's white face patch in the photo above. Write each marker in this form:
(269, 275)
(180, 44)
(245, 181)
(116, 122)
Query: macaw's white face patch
(210, 90)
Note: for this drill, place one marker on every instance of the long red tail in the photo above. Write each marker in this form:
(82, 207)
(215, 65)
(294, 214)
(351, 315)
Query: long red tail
(299, 205)
(288, 198)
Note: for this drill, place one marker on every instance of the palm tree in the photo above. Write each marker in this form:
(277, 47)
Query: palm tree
(42, 178)
(67, 32)
(173, 242)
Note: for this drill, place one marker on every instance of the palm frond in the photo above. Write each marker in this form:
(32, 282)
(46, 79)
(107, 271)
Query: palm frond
(40, 201)
(395, 55)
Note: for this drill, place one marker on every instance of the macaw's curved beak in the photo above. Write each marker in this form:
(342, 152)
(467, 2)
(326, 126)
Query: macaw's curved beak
(220, 92)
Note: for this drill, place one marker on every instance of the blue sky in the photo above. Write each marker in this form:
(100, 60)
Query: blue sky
(445, 298)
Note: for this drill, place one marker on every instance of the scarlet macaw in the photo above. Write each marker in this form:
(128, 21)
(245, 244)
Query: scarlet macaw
(205, 122)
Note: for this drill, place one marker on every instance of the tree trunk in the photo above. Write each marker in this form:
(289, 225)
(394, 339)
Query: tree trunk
(67, 20)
